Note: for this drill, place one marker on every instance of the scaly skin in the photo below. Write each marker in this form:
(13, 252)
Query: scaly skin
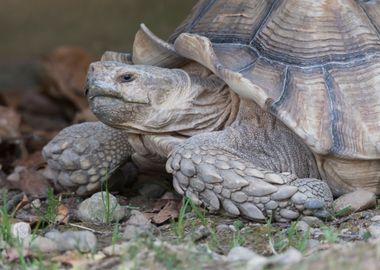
(236, 156)
(82, 156)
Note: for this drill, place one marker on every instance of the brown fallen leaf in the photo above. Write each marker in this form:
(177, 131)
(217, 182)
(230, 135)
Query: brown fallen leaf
(169, 211)
(64, 73)
(22, 203)
(62, 214)
(78, 260)
(9, 123)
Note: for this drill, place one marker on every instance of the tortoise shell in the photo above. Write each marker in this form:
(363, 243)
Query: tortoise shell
(313, 64)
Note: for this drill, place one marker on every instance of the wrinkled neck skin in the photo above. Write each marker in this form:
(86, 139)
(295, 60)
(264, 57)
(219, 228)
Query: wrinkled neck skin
(207, 105)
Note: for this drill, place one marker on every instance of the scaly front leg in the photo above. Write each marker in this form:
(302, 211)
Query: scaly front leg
(82, 156)
(219, 177)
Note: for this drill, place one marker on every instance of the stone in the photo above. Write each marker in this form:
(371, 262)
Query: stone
(290, 256)
(312, 244)
(376, 219)
(302, 227)
(36, 204)
(44, 245)
(241, 254)
(354, 201)
(200, 232)
(137, 225)
(312, 221)
(94, 209)
(83, 241)
(21, 230)
(137, 218)
(374, 230)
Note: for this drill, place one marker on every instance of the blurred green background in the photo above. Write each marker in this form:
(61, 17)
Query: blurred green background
(32, 28)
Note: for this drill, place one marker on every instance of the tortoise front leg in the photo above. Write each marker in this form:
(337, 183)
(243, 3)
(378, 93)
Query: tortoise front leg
(82, 156)
(217, 176)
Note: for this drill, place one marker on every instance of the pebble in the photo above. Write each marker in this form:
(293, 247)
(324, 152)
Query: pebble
(223, 228)
(355, 201)
(83, 241)
(376, 219)
(290, 256)
(137, 225)
(241, 254)
(21, 230)
(94, 209)
(374, 230)
(199, 233)
(302, 227)
(36, 204)
(43, 244)
(313, 222)
(312, 244)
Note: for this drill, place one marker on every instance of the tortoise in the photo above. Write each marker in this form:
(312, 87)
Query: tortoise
(258, 107)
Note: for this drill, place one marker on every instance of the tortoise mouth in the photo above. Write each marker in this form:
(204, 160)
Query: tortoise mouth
(113, 110)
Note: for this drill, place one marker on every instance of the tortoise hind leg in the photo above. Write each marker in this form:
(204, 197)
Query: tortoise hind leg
(82, 156)
(219, 178)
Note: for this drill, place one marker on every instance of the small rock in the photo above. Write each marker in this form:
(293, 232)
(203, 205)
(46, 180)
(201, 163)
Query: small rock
(223, 228)
(94, 209)
(36, 204)
(374, 230)
(116, 249)
(355, 201)
(43, 244)
(376, 219)
(200, 232)
(241, 254)
(137, 225)
(137, 218)
(313, 222)
(21, 230)
(312, 244)
(302, 227)
(290, 256)
(132, 231)
(84, 241)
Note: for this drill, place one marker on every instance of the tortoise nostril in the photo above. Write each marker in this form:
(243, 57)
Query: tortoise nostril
(86, 91)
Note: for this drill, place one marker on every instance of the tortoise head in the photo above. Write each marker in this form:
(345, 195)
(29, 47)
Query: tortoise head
(149, 99)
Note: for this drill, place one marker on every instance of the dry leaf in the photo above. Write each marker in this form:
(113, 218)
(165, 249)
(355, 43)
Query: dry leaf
(62, 214)
(170, 210)
(78, 260)
(9, 123)
(22, 203)
(64, 75)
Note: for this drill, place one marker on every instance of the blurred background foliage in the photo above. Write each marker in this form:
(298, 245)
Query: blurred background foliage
(30, 29)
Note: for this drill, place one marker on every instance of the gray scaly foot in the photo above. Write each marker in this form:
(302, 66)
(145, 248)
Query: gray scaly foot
(80, 157)
(220, 179)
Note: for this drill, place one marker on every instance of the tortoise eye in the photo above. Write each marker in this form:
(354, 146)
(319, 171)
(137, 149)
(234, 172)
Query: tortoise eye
(127, 77)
